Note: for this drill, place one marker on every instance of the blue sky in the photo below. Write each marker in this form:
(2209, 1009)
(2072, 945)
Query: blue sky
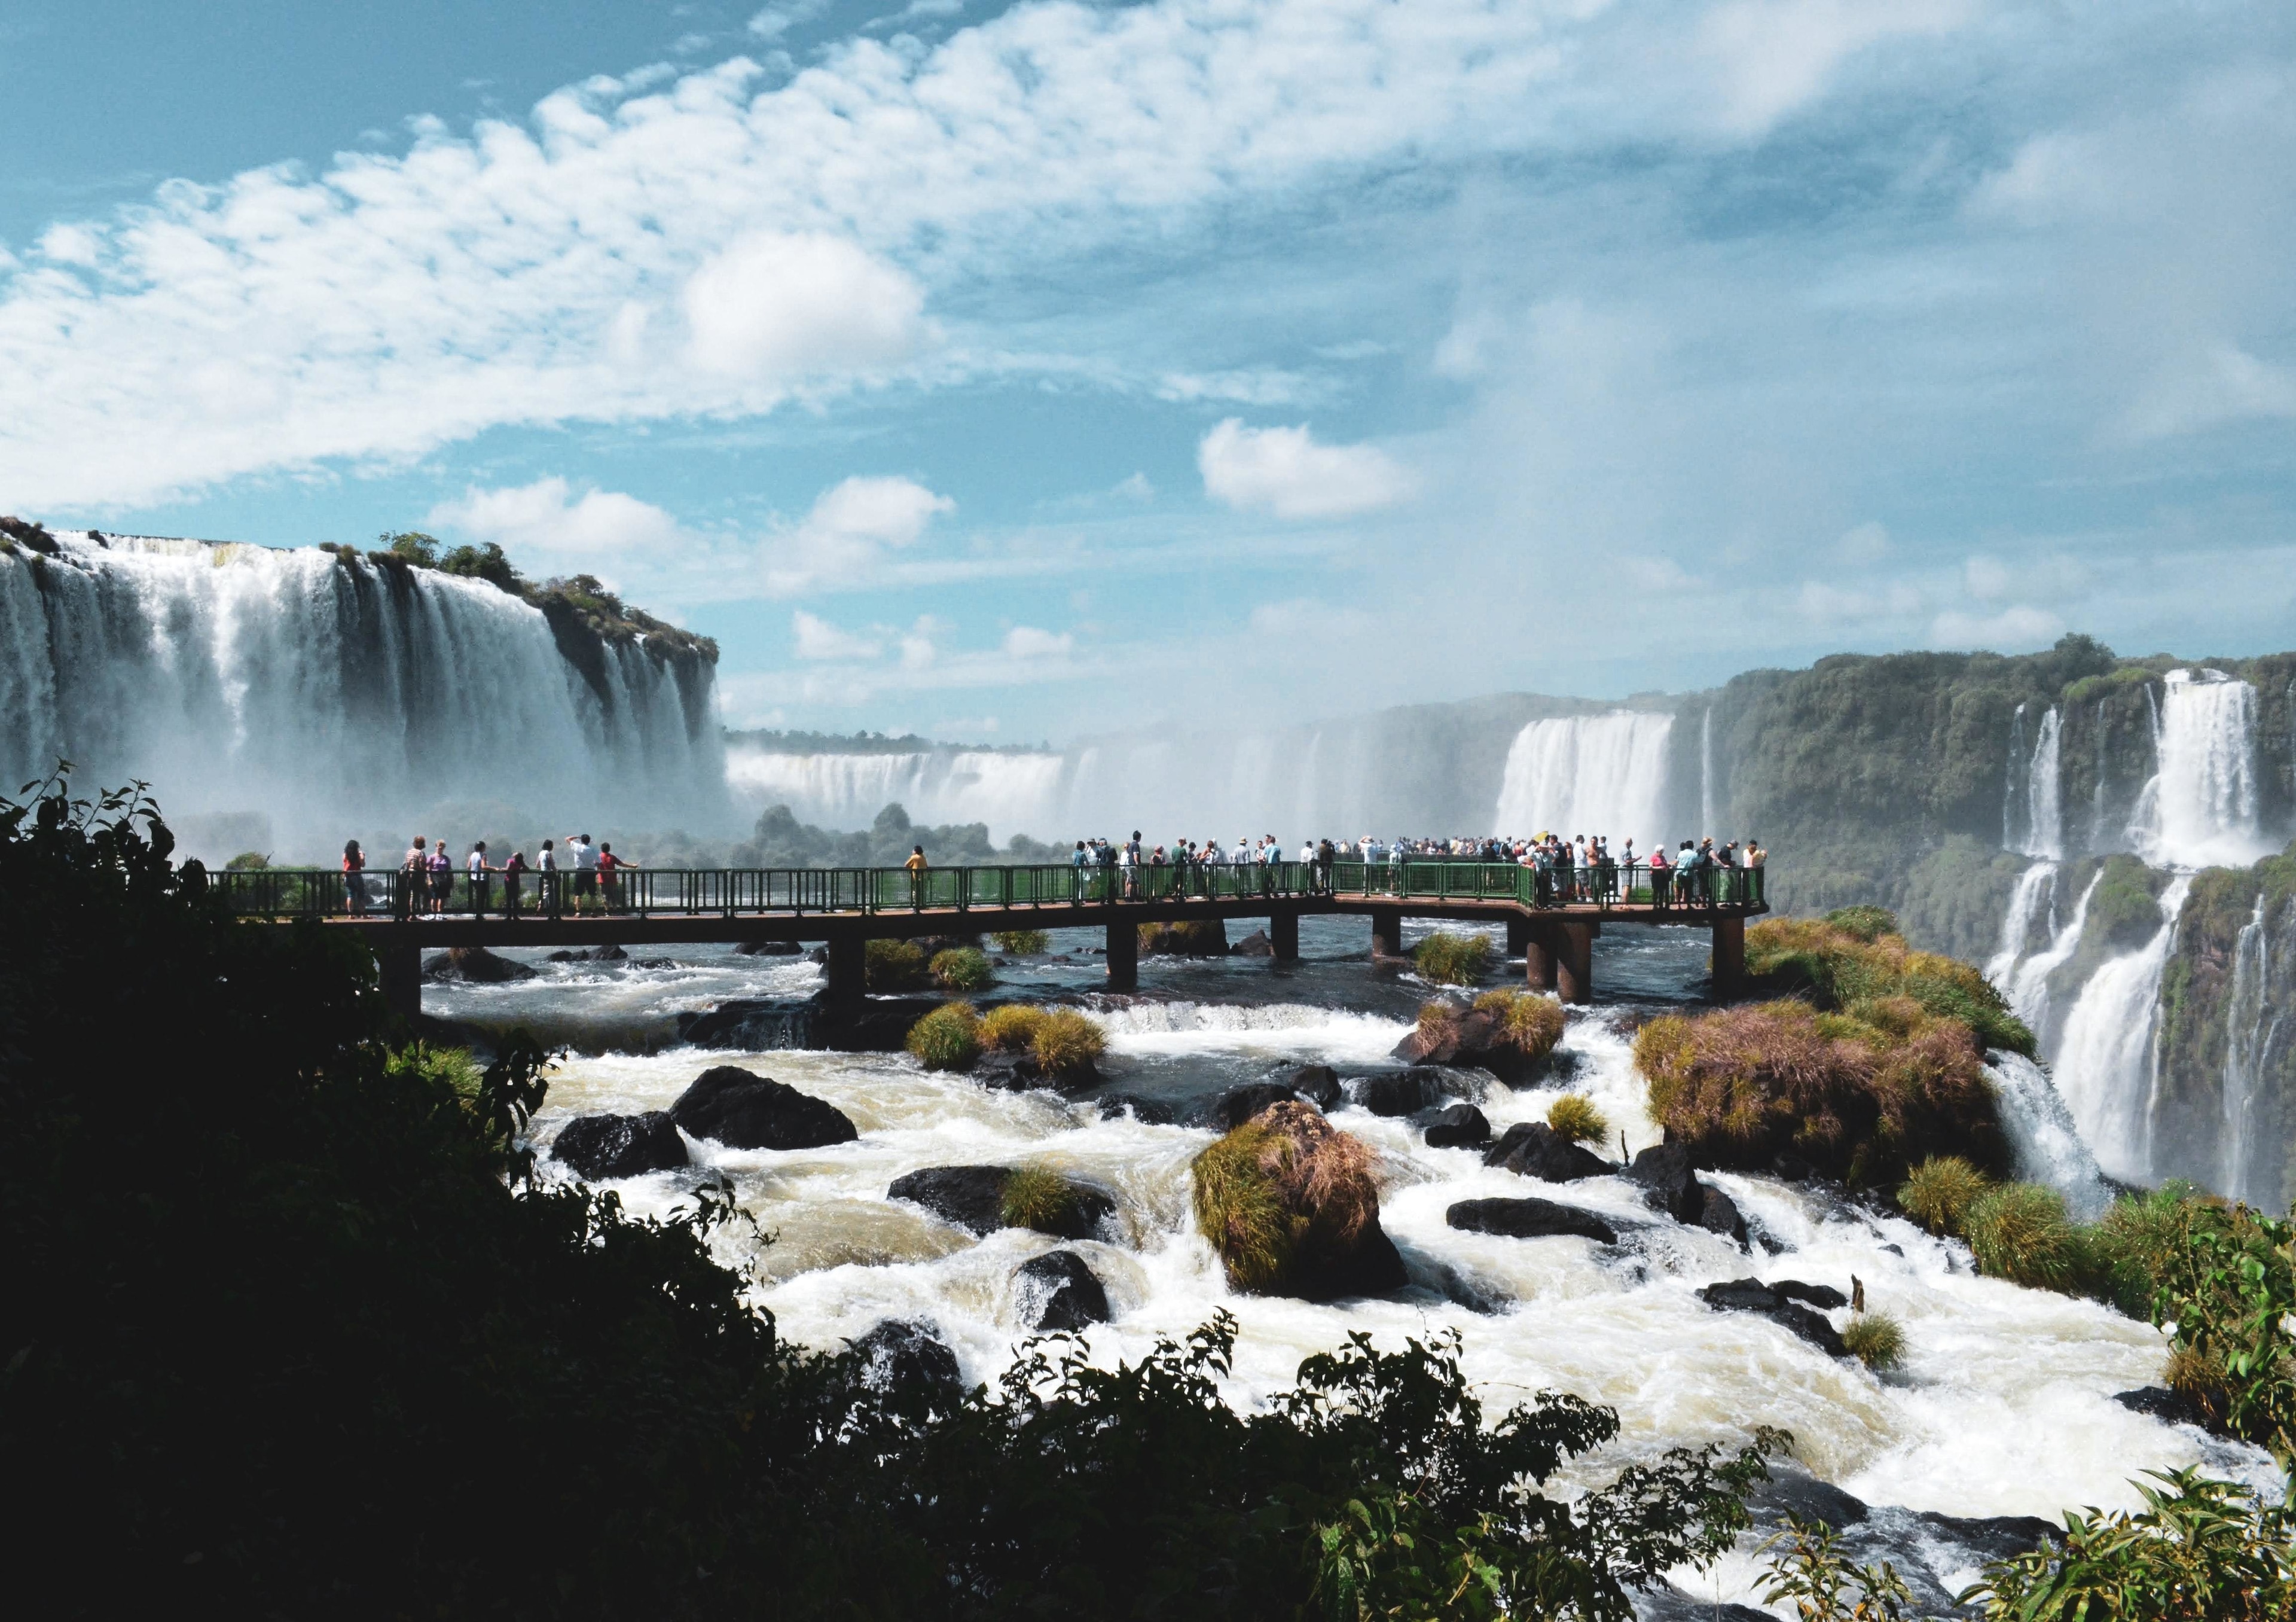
(1051, 370)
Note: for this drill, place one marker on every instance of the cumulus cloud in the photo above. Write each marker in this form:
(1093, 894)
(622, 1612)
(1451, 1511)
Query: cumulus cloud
(817, 638)
(1774, 56)
(2015, 630)
(545, 525)
(1027, 642)
(781, 305)
(851, 529)
(1285, 472)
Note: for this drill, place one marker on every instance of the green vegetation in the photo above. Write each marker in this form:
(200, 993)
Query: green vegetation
(248, 861)
(1039, 1198)
(1195, 938)
(779, 840)
(2020, 1231)
(1022, 942)
(962, 968)
(1240, 1208)
(1012, 1027)
(580, 600)
(1067, 1042)
(1574, 1118)
(1938, 1192)
(1853, 959)
(1280, 1190)
(894, 966)
(1452, 960)
(1876, 1339)
(947, 1039)
(1532, 1022)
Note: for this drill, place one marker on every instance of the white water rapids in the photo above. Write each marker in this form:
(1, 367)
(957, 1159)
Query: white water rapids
(2004, 1407)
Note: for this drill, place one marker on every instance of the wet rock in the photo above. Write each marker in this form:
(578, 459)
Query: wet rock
(742, 1109)
(1331, 1245)
(1254, 945)
(1238, 1105)
(1154, 1112)
(2162, 1404)
(930, 945)
(1009, 1070)
(475, 965)
(654, 963)
(1058, 1292)
(768, 948)
(1667, 1603)
(1823, 1296)
(819, 954)
(601, 1147)
(1319, 1084)
(1721, 1216)
(1668, 1183)
(1529, 1218)
(1400, 1093)
(751, 1025)
(907, 1356)
(972, 1197)
(1472, 1039)
(1741, 1295)
(609, 953)
(1459, 1126)
(1781, 1303)
(1534, 1149)
(1789, 1492)
(1993, 1537)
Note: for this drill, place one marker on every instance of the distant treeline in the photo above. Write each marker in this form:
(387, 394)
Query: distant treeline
(781, 841)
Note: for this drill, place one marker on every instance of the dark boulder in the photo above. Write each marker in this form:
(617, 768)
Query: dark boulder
(1529, 1218)
(972, 1197)
(1319, 1084)
(1781, 1303)
(1459, 1126)
(768, 948)
(1016, 1070)
(1058, 1292)
(1238, 1105)
(1668, 1183)
(1254, 945)
(1152, 1111)
(1721, 1216)
(476, 966)
(1534, 1149)
(2176, 1407)
(607, 953)
(1471, 1039)
(1811, 1327)
(1823, 1296)
(1993, 1537)
(1790, 1492)
(600, 1148)
(751, 1025)
(742, 1109)
(1399, 1093)
(908, 1358)
(1742, 1296)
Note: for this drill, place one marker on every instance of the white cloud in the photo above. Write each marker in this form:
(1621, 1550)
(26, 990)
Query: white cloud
(544, 526)
(1774, 56)
(776, 20)
(918, 648)
(1823, 604)
(2209, 384)
(1285, 472)
(1986, 578)
(1865, 543)
(782, 306)
(817, 638)
(1027, 642)
(2015, 630)
(851, 528)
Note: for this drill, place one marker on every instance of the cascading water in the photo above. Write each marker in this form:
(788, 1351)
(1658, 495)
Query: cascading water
(1589, 774)
(2201, 808)
(2042, 1137)
(316, 697)
(1010, 791)
(2107, 1065)
(2252, 1026)
(1706, 827)
(2032, 816)
(2026, 983)
(2030, 906)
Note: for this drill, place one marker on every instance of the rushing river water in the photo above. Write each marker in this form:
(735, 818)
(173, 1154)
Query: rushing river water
(2005, 1405)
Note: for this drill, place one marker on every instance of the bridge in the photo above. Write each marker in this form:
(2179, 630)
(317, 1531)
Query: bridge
(1551, 919)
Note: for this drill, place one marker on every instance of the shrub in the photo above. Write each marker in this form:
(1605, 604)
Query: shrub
(247, 862)
(1938, 1192)
(1452, 960)
(1849, 966)
(1284, 1183)
(2019, 1233)
(1011, 1027)
(1868, 924)
(1534, 1023)
(947, 1039)
(2137, 1243)
(1193, 938)
(2229, 1286)
(1037, 1197)
(1022, 942)
(894, 966)
(1067, 1042)
(1574, 1117)
(1876, 1339)
(963, 968)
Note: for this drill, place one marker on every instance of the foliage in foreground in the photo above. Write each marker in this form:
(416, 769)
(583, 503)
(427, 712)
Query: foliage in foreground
(333, 1354)
(1452, 960)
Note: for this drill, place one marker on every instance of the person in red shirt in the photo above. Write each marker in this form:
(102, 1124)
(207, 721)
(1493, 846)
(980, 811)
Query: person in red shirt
(609, 875)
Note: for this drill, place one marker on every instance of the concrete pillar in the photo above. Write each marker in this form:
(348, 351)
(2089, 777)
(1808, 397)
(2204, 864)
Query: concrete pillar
(1518, 935)
(1283, 934)
(1729, 956)
(1574, 972)
(847, 965)
(1542, 953)
(1124, 956)
(402, 977)
(1387, 932)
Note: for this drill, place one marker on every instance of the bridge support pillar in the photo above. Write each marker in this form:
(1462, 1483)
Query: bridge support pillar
(1387, 932)
(848, 966)
(1124, 956)
(1574, 968)
(1283, 934)
(1542, 952)
(1729, 956)
(402, 978)
(1518, 935)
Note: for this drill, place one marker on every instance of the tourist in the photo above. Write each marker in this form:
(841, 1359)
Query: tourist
(354, 877)
(1662, 878)
(546, 862)
(585, 871)
(609, 875)
(478, 870)
(442, 879)
(916, 864)
(514, 878)
(1755, 857)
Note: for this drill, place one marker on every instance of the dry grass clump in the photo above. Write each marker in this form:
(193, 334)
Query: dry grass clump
(1876, 1339)
(1022, 942)
(1859, 1094)
(1855, 957)
(1284, 1186)
(1938, 1192)
(2020, 1231)
(1574, 1117)
(1038, 1198)
(894, 966)
(1067, 1041)
(947, 1039)
(963, 968)
(1452, 960)
(1533, 1022)
(1195, 938)
(1012, 1028)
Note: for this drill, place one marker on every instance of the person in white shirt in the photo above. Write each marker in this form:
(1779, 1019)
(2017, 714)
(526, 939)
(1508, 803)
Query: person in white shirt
(478, 870)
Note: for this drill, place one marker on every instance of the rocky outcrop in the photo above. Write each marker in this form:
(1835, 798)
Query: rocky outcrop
(1289, 1202)
(1399, 1093)
(907, 1357)
(1529, 1218)
(768, 948)
(1459, 1126)
(1254, 945)
(1720, 1214)
(976, 1198)
(762, 1025)
(1319, 1084)
(607, 953)
(475, 965)
(1535, 1149)
(1669, 1181)
(742, 1109)
(603, 1148)
(1018, 1070)
(1782, 1304)
(1511, 1034)
(1057, 1291)
(1238, 1105)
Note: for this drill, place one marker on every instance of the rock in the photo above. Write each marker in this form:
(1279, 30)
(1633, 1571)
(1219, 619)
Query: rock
(590, 954)
(931, 944)
(2176, 1407)
(1399, 1093)
(742, 1109)
(600, 1148)
(1529, 1218)
(1994, 1537)
(1667, 1603)
(1823, 1296)
(1534, 1149)
(1319, 1084)
(1058, 1292)
(751, 1025)
(1460, 1126)
(1668, 1183)
(1238, 1105)
(1721, 1216)
(1153, 1112)
(768, 948)
(1331, 1245)
(1471, 1039)
(1742, 1296)
(1009, 1070)
(819, 954)
(1781, 1303)
(1810, 1326)
(654, 963)
(907, 1356)
(476, 966)
(972, 1197)
(1789, 1492)
(1254, 945)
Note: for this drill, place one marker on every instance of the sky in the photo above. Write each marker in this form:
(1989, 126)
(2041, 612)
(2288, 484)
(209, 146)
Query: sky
(1051, 370)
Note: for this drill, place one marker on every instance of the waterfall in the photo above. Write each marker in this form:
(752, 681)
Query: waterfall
(2107, 1065)
(2030, 906)
(1589, 774)
(303, 698)
(2201, 807)
(2026, 983)
(2047, 1145)
(1706, 827)
(1011, 791)
(2252, 1031)
(2013, 781)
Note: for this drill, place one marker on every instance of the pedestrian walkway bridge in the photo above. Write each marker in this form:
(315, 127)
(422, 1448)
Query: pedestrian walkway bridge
(1551, 919)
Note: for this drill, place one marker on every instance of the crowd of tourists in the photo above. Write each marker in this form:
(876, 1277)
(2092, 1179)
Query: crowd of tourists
(581, 877)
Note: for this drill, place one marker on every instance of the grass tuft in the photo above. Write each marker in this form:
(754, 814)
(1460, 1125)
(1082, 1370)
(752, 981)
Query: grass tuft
(1938, 1192)
(1011, 1027)
(1533, 1022)
(1285, 1187)
(1067, 1041)
(1039, 1198)
(2019, 1233)
(1241, 1210)
(1876, 1339)
(1573, 1117)
(1022, 942)
(963, 968)
(1452, 960)
(894, 966)
(1193, 938)
(947, 1039)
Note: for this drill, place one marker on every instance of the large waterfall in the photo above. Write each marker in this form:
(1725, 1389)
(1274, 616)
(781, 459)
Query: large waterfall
(2107, 1064)
(2201, 808)
(295, 699)
(1008, 791)
(1589, 774)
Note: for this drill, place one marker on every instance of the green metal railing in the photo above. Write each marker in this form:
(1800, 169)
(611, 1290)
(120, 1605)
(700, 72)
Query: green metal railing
(287, 892)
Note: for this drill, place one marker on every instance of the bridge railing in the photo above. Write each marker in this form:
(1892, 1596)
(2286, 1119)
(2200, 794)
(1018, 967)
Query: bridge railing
(287, 892)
